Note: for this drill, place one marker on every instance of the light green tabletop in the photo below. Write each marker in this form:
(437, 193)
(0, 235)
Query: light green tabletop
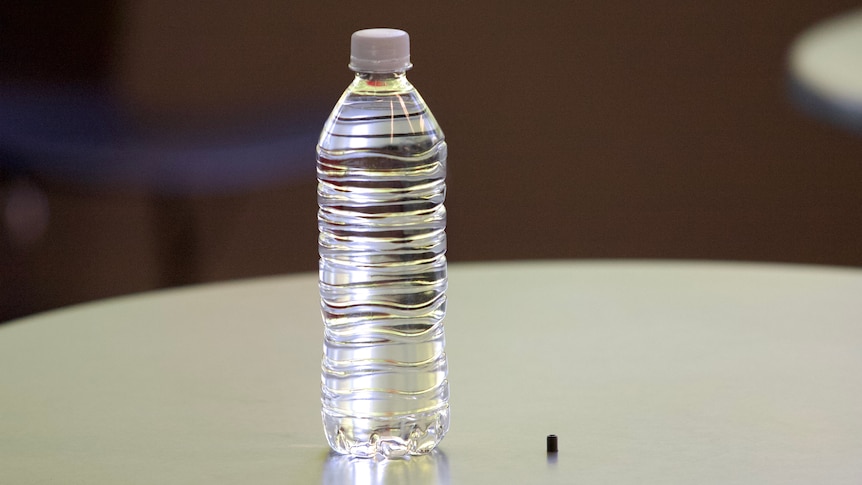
(649, 372)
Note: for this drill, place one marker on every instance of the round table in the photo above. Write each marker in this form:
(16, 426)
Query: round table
(649, 372)
(825, 65)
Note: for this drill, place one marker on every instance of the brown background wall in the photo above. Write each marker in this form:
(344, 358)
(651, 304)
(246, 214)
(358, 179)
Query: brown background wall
(603, 129)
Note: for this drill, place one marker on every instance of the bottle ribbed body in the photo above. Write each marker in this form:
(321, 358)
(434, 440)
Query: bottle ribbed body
(381, 186)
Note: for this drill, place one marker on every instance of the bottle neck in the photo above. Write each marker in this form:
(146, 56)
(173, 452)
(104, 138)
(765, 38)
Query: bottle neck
(381, 81)
(380, 76)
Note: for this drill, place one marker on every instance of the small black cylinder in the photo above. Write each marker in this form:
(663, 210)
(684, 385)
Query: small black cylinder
(552, 443)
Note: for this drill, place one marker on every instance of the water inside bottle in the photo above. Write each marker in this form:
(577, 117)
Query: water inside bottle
(381, 170)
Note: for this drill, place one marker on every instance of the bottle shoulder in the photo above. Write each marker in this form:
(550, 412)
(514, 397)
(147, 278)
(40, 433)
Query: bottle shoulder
(381, 117)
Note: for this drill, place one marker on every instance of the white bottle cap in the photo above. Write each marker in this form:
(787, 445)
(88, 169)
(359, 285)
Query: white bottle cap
(380, 50)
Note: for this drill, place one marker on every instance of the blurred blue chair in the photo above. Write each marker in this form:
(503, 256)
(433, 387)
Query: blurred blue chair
(83, 136)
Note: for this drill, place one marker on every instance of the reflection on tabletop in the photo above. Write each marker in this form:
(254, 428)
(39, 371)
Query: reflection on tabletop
(429, 469)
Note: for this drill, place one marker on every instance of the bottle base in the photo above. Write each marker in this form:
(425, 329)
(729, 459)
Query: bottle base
(389, 437)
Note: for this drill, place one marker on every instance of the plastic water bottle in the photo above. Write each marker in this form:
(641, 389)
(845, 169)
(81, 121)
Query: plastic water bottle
(381, 164)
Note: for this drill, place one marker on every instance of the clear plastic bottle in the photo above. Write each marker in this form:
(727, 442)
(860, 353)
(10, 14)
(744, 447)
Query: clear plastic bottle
(381, 168)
